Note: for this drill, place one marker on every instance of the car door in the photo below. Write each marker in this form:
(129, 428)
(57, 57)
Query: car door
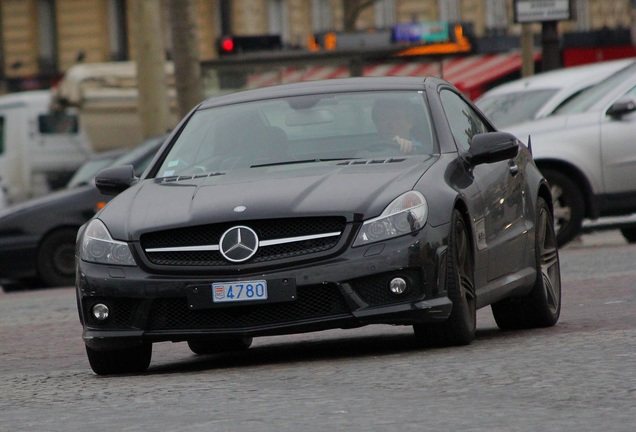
(501, 230)
(618, 150)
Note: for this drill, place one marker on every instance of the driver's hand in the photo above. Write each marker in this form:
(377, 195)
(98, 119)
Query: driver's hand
(406, 145)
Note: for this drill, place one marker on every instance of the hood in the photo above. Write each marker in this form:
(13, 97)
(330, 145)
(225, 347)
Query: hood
(358, 191)
(540, 126)
(571, 138)
(49, 201)
(68, 208)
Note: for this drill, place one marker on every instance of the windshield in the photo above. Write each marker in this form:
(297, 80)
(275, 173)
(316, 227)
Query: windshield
(511, 108)
(300, 129)
(587, 98)
(84, 175)
(139, 157)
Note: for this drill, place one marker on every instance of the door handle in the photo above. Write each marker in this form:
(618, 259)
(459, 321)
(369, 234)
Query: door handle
(514, 168)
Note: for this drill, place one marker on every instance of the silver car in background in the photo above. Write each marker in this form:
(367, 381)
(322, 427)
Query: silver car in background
(587, 151)
(539, 95)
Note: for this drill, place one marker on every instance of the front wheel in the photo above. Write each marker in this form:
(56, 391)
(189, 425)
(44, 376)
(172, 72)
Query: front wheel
(542, 306)
(121, 361)
(568, 203)
(56, 258)
(460, 327)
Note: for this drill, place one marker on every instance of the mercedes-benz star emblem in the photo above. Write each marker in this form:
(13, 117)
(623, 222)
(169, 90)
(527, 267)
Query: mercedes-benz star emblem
(238, 244)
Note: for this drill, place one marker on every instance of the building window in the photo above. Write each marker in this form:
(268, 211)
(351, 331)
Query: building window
(2, 65)
(450, 10)
(47, 36)
(321, 16)
(582, 15)
(117, 30)
(385, 13)
(278, 19)
(496, 17)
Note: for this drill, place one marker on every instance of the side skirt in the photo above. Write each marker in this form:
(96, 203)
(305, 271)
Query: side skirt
(517, 284)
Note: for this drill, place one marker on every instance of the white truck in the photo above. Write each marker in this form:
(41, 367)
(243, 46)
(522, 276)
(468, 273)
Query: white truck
(106, 96)
(45, 135)
(39, 148)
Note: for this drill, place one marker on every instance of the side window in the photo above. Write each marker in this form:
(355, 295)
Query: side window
(58, 123)
(632, 91)
(464, 122)
(1, 135)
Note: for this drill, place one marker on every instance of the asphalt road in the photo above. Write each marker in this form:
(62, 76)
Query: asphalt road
(577, 376)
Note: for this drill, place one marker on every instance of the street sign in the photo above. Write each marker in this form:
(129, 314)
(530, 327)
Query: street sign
(527, 11)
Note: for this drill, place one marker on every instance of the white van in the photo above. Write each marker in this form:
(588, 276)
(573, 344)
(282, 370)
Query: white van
(39, 148)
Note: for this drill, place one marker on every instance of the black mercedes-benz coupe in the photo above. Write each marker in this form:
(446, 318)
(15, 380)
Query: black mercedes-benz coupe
(313, 206)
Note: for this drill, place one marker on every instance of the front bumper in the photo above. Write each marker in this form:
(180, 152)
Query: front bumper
(345, 291)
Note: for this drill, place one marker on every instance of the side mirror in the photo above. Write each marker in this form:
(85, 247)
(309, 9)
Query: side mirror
(112, 181)
(624, 105)
(492, 147)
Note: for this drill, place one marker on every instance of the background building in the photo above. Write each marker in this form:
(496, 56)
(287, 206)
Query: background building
(41, 39)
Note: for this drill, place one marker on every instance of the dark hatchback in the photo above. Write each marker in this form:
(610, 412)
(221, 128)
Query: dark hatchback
(285, 210)
(37, 237)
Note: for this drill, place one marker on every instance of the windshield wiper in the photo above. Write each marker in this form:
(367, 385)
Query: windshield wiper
(302, 161)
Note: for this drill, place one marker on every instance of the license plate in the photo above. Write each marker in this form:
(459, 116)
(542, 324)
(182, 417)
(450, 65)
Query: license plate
(225, 292)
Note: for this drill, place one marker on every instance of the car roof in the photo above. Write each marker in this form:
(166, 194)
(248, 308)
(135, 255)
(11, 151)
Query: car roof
(574, 77)
(321, 86)
(30, 97)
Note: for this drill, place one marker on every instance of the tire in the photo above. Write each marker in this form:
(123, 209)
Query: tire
(122, 361)
(542, 306)
(206, 347)
(14, 287)
(460, 327)
(569, 206)
(629, 234)
(56, 258)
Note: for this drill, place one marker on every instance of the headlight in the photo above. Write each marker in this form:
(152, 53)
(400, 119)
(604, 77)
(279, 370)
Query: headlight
(405, 214)
(99, 247)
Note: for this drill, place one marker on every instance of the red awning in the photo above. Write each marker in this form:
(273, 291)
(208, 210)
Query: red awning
(471, 73)
(468, 73)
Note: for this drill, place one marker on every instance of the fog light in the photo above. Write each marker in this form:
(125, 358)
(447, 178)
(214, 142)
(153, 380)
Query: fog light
(100, 311)
(397, 285)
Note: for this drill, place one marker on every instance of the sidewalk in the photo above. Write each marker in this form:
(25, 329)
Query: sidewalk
(598, 238)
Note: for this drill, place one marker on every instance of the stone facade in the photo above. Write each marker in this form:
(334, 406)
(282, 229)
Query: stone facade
(83, 27)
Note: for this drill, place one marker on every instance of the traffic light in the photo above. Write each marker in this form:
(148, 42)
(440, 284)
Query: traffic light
(228, 45)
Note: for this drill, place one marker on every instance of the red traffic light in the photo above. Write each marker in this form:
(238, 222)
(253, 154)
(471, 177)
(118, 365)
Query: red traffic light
(232, 44)
(227, 45)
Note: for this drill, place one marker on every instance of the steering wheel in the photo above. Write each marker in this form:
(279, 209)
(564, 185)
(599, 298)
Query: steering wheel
(382, 145)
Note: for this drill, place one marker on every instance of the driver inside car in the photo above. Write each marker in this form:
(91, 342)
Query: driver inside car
(394, 120)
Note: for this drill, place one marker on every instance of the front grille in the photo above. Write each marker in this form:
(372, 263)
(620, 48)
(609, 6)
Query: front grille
(122, 312)
(266, 230)
(270, 253)
(314, 301)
